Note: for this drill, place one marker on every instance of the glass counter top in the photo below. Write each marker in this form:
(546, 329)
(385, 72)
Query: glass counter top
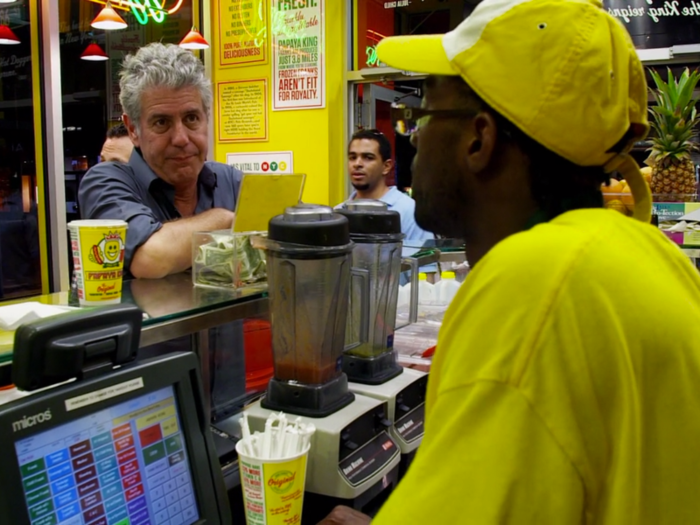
(161, 300)
(445, 245)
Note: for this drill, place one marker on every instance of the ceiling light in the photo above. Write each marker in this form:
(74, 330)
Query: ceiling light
(94, 53)
(7, 36)
(194, 40)
(108, 19)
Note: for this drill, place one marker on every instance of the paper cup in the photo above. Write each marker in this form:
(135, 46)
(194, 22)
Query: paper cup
(273, 489)
(98, 260)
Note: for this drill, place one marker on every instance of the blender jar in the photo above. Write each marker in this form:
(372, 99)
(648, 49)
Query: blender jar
(376, 233)
(308, 252)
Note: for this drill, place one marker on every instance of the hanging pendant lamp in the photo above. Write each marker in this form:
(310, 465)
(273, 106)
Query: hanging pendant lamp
(94, 53)
(194, 40)
(7, 36)
(108, 19)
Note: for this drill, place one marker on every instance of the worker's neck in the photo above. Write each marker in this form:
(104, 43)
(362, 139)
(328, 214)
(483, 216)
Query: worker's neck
(373, 193)
(494, 216)
(186, 199)
(485, 235)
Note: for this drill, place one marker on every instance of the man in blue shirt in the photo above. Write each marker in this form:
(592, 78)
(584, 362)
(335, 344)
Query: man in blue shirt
(166, 191)
(369, 163)
(118, 146)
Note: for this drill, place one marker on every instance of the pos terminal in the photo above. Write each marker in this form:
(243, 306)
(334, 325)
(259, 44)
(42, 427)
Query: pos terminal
(117, 441)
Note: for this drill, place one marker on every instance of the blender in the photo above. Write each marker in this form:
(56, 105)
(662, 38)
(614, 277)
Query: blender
(371, 364)
(353, 458)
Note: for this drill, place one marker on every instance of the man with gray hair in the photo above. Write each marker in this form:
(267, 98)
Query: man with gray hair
(167, 190)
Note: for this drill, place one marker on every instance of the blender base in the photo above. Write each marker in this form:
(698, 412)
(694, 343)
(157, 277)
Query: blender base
(314, 401)
(351, 450)
(371, 370)
(405, 399)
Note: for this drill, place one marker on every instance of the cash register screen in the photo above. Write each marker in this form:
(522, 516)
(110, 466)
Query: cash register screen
(123, 465)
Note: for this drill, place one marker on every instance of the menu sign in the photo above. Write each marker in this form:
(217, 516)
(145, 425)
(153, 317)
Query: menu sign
(242, 110)
(298, 49)
(658, 23)
(242, 32)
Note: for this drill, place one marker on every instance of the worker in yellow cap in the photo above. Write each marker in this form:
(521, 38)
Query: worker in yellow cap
(565, 388)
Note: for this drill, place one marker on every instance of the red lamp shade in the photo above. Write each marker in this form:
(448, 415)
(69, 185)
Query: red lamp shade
(108, 19)
(7, 36)
(94, 53)
(194, 40)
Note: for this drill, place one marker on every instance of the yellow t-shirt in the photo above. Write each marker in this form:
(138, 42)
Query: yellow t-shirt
(566, 385)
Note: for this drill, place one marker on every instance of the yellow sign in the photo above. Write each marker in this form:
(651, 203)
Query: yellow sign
(133, 415)
(155, 417)
(169, 427)
(264, 196)
(242, 32)
(242, 110)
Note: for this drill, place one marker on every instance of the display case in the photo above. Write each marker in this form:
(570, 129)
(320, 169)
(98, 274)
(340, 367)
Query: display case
(418, 324)
(228, 329)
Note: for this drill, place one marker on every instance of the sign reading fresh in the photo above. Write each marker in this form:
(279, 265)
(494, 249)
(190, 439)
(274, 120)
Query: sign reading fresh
(298, 46)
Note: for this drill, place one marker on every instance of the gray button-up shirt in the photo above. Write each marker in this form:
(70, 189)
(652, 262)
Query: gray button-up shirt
(134, 193)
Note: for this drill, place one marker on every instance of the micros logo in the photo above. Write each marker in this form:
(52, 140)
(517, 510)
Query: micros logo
(30, 421)
(282, 481)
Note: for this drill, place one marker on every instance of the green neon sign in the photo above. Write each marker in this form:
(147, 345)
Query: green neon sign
(372, 58)
(154, 7)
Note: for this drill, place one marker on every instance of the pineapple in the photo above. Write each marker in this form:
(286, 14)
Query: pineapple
(674, 118)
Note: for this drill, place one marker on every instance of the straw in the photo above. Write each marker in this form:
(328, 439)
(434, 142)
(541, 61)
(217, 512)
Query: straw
(245, 433)
(279, 446)
(286, 439)
(267, 437)
(292, 445)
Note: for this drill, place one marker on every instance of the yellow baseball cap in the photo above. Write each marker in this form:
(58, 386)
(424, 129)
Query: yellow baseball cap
(564, 71)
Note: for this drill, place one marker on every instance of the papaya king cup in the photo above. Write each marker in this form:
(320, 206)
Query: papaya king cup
(98, 259)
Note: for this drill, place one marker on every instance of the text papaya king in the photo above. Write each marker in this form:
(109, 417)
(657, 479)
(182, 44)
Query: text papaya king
(110, 275)
(288, 5)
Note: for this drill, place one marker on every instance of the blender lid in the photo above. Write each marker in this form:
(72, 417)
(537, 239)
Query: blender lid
(308, 212)
(365, 204)
(372, 217)
(310, 225)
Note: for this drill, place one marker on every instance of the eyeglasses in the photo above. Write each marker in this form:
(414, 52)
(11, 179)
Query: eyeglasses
(408, 120)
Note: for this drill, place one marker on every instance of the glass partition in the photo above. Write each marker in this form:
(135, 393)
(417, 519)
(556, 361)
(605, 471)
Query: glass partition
(90, 88)
(377, 19)
(20, 266)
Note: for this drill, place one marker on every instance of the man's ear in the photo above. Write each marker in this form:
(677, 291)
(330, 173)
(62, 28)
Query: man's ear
(388, 166)
(131, 128)
(481, 142)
